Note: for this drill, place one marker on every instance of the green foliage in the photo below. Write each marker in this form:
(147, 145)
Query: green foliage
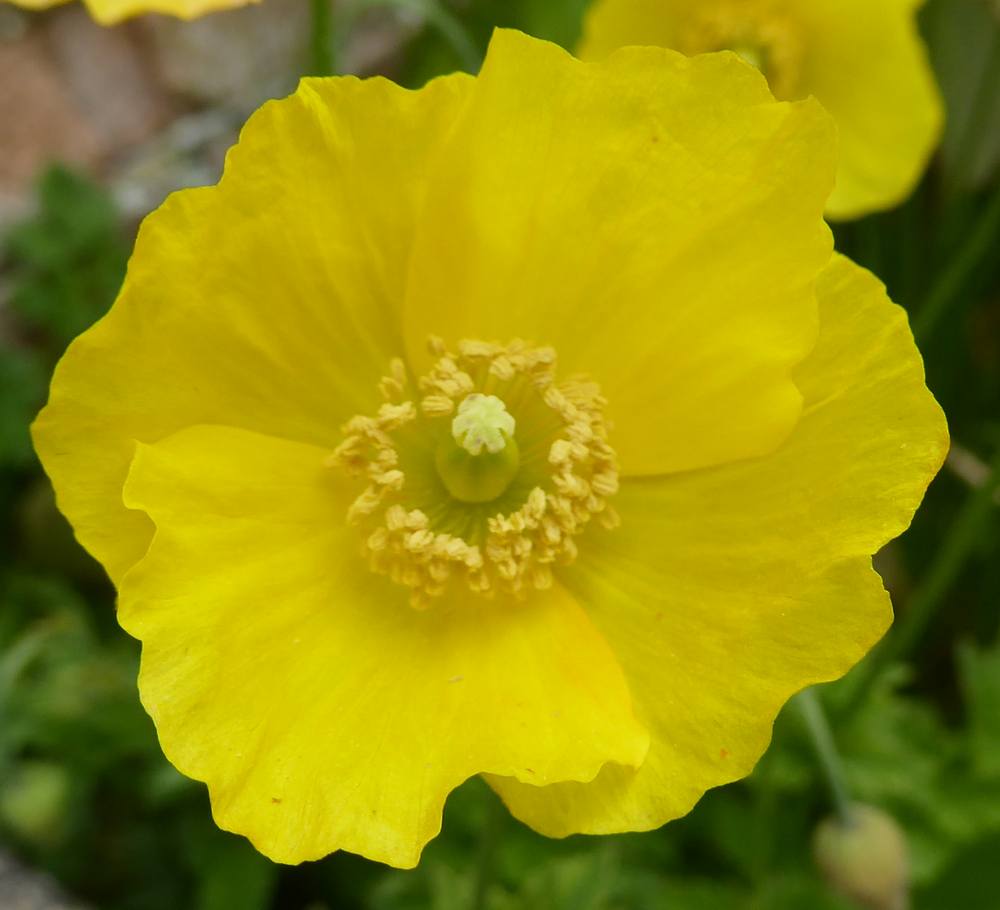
(965, 40)
(68, 260)
(84, 789)
(455, 34)
(64, 266)
(22, 389)
(979, 672)
(971, 882)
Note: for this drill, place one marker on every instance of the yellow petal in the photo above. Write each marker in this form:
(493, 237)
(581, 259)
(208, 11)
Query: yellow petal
(322, 711)
(268, 302)
(868, 67)
(709, 667)
(727, 590)
(658, 220)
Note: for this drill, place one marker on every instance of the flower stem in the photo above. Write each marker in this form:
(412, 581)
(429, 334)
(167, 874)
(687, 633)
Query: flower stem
(321, 38)
(980, 242)
(816, 723)
(977, 111)
(965, 532)
(486, 864)
(969, 467)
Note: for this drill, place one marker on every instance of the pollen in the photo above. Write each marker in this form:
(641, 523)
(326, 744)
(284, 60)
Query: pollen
(452, 496)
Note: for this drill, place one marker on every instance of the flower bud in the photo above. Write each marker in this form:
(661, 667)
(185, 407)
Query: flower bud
(865, 858)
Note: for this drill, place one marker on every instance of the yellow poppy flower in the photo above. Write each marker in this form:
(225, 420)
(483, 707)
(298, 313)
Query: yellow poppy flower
(863, 60)
(374, 544)
(108, 12)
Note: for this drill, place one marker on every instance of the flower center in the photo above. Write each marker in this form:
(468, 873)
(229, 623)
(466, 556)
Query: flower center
(452, 497)
(755, 30)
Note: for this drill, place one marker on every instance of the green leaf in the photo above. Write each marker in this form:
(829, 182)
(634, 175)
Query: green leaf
(964, 39)
(234, 875)
(22, 391)
(979, 674)
(555, 20)
(971, 881)
(797, 893)
(695, 894)
(66, 261)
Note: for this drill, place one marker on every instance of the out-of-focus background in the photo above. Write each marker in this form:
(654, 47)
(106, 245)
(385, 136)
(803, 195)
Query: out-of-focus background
(97, 125)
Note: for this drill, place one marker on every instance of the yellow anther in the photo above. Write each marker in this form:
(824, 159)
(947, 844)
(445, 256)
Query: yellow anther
(411, 532)
(437, 405)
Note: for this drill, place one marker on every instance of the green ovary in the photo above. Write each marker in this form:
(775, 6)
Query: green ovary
(480, 458)
(482, 475)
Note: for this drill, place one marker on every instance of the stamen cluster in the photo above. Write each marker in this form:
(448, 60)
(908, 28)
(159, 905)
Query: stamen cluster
(511, 551)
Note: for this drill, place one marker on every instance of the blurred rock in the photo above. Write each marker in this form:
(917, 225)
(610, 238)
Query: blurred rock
(111, 84)
(153, 104)
(190, 152)
(14, 23)
(73, 92)
(376, 40)
(39, 121)
(237, 58)
(241, 58)
(23, 889)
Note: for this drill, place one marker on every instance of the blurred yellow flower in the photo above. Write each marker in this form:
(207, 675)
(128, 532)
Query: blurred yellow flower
(108, 12)
(374, 544)
(863, 60)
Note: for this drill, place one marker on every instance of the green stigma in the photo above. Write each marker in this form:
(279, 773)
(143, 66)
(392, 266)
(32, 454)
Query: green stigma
(482, 422)
(480, 458)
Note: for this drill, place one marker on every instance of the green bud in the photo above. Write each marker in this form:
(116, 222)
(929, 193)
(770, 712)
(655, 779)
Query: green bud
(865, 858)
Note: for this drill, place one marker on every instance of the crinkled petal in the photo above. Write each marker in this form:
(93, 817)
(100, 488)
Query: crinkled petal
(321, 710)
(658, 220)
(709, 666)
(268, 302)
(727, 590)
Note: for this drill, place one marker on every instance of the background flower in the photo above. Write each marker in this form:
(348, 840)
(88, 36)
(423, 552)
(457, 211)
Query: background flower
(109, 12)
(864, 61)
